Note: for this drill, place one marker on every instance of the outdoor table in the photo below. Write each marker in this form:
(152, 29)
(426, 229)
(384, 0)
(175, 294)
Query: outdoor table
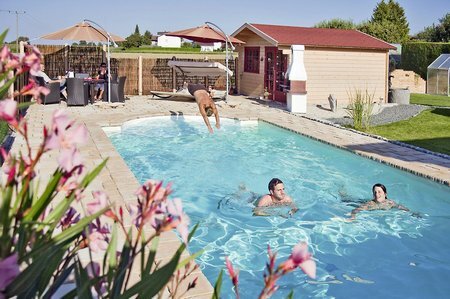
(92, 83)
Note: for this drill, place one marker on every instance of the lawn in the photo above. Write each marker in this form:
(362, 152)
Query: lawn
(430, 130)
(430, 100)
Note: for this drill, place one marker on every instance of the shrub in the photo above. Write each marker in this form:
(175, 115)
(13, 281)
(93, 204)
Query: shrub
(360, 108)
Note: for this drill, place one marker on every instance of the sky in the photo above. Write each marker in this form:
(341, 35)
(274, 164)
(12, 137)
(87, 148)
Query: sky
(120, 17)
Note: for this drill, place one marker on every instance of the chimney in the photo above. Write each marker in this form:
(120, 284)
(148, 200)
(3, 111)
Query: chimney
(296, 73)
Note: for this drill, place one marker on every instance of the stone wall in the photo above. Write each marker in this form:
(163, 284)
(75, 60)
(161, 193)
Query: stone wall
(408, 79)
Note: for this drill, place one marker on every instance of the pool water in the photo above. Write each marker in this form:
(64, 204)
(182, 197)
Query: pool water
(388, 254)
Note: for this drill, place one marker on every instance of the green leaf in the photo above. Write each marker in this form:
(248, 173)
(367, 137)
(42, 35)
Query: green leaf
(26, 284)
(2, 36)
(112, 248)
(47, 196)
(151, 284)
(190, 258)
(6, 220)
(83, 281)
(4, 88)
(218, 285)
(151, 255)
(62, 277)
(50, 268)
(93, 174)
(291, 295)
(121, 270)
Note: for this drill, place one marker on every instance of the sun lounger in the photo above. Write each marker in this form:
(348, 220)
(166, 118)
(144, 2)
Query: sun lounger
(184, 94)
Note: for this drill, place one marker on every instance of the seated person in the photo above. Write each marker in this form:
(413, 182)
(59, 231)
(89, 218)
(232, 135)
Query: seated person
(100, 87)
(61, 81)
(379, 202)
(205, 103)
(276, 197)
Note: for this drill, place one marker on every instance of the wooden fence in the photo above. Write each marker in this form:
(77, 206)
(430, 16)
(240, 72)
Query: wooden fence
(156, 74)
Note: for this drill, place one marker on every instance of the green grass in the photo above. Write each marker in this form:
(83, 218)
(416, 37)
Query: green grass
(430, 130)
(430, 100)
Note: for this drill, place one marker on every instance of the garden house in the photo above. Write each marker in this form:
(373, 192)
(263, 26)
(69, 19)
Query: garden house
(336, 61)
(438, 76)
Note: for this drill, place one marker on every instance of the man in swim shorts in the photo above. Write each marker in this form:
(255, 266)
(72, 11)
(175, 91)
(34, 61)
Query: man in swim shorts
(205, 104)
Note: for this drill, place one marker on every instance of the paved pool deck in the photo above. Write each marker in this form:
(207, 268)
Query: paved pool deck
(120, 183)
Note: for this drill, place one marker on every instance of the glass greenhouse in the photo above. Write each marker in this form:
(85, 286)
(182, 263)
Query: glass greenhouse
(438, 76)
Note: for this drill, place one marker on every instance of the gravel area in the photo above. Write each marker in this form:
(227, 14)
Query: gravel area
(385, 115)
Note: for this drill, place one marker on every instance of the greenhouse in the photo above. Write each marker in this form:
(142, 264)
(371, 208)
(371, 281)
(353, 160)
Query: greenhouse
(438, 75)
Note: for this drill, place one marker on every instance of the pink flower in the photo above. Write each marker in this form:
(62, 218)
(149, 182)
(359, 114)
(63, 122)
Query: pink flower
(97, 242)
(71, 217)
(100, 202)
(63, 135)
(175, 210)
(9, 270)
(69, 159)
(32, 60)
(8, 111)
(234, 275)
(302, 258)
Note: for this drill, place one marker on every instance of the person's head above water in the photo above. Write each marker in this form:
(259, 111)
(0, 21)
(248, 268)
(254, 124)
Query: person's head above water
(209, 111)
(276, 189)
(379, 192)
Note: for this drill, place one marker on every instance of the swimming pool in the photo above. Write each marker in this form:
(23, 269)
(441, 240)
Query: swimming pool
(383, 253)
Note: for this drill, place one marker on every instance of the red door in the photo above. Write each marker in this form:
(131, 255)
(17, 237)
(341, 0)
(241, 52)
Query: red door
(274, 70)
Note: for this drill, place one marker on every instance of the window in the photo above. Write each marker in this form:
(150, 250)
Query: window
(251, 60)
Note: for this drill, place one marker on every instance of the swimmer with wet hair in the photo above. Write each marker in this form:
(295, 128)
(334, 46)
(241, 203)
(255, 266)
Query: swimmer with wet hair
(380, 201)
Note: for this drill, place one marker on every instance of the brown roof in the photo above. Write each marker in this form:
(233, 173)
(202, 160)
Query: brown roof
(322, 37)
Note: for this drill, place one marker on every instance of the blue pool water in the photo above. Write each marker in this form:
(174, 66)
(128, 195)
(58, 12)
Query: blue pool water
(387, 254)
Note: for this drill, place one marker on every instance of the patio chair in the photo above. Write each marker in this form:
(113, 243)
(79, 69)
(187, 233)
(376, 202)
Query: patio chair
(117, 90)
(54, 96)
(77, 92)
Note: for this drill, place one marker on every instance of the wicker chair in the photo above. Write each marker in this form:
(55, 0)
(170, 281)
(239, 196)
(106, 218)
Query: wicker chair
(77, 92)
(117, 90)
(54, 96)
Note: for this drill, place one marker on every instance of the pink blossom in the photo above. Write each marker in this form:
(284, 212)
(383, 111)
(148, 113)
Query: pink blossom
(100, 202)
(32, 60)
(234, 276)
(97, 242)
(8, 111)
(175, 209)
(9, 269)
(69, 159)
(302, 258)
(63, 134)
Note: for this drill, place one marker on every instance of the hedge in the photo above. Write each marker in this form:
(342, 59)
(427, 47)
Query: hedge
(417, 56)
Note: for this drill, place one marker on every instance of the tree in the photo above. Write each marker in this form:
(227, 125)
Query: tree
(147, 38)
(388, 23)
(136, 30)
(134, 40)
(437, 33)
(336, 23)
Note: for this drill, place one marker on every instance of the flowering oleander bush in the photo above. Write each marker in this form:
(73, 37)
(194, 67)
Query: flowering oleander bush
(55, 234)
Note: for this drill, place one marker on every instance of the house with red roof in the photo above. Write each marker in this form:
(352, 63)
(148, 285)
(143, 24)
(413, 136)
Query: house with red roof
(337, 62)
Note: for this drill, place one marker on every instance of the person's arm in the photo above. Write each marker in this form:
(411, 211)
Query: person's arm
(216, 114)
(205, 117)
(403, 208)
(363, 207)
(45, 77)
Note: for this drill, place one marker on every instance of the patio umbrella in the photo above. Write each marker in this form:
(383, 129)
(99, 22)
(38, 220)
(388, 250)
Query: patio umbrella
(207, 34)
(85, 31)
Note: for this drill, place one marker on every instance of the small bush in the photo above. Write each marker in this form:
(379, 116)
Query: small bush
(360, 108)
